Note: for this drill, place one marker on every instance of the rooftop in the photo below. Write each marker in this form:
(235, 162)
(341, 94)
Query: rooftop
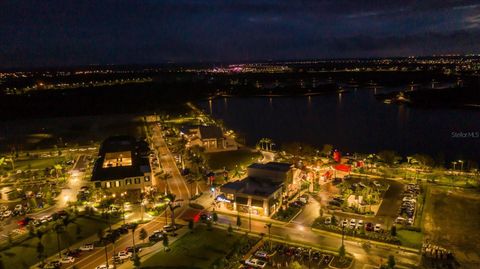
(120, 157)
(252, 186)
(210, 132)
(273, 166)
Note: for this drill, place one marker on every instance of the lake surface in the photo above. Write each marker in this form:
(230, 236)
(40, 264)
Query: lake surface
(352, 122)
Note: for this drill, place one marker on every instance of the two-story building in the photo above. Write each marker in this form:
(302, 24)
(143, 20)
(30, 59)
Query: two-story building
(122, 165)
(261, 192)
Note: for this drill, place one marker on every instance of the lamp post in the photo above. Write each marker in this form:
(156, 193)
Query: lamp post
(269, 226)
(123, 206)
(454, 163)
(142, 209)
(461, 165)
(250, 218)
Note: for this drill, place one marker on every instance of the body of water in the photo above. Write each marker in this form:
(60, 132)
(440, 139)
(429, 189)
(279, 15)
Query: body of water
(353, 122)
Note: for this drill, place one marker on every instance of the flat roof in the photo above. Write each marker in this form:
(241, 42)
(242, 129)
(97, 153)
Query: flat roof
(252, 186)
(273, 166)
(114, 146)
(210, 132)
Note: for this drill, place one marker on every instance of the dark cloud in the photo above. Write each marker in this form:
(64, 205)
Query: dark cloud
(36, 33)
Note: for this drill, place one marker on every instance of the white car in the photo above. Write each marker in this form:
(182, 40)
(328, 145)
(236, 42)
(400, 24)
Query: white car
(344, 223)
(18, 208)
(67, 259)
(7, 214)
(86, 247)
(123, 255)
(359, 223)
(261, 254)
(352, 223)
(328, 220)
(256, 263)
(377, 228)
(104, 266)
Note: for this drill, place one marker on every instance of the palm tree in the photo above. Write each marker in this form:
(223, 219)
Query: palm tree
(102, 239)
(59, 228)
(134, 227)
(40, 251)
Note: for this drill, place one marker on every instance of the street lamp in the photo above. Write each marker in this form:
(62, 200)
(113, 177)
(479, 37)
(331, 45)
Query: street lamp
(250, 218)
(142, 209)
(269, 226)
(123, 205)
(454, 163)
(461, 165)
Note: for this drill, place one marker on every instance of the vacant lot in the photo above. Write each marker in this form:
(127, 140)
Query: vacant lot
(28, 135)
(229, 159)
(452, 220)
(199, 249)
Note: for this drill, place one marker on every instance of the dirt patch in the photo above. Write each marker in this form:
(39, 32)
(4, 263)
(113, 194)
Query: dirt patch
(452, 220)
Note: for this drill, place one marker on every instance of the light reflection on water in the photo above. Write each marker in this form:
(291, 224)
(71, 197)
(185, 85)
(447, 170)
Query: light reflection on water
(352, 121)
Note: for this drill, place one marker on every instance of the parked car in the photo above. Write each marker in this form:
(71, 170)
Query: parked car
(205, 217)
(104, 266)
(73, 253)
(87, 247)
(352, 223)
(378, 228)
(18, 208)
(130, 249)
(156, 237)
(328, 220)
(261, 254)
(256, 263)
(369, 227)
(169, 228)
(123, 255)
(67, 259)
(7, 214)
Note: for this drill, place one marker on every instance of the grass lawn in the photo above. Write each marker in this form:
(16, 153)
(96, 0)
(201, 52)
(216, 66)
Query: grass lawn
(451, 219)
(228, 159)
(38, 163)
(199, 249)
(410, 238)
(24, 255)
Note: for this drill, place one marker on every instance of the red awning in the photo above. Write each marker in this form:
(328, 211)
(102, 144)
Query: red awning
(343, 167)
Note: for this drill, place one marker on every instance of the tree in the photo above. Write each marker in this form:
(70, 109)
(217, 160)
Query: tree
(143, 235)
(391, 262)
(59, 228)
(215, 217)
(341, 252)
(134, 227)
(295, 265)
(327, 148)
(102, 239)
(334, 220)
(191, 225)
(388, 156)
(239, 221)
(40, 251)
(165, 242)
(393, 230)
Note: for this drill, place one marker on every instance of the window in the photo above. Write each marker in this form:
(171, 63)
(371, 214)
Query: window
(117, 183)
(108, 184)
(128, 181)
(137, 180)
(98, 184)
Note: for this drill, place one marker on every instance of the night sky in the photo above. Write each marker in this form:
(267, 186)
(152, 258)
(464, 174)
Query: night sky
(61, 33)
